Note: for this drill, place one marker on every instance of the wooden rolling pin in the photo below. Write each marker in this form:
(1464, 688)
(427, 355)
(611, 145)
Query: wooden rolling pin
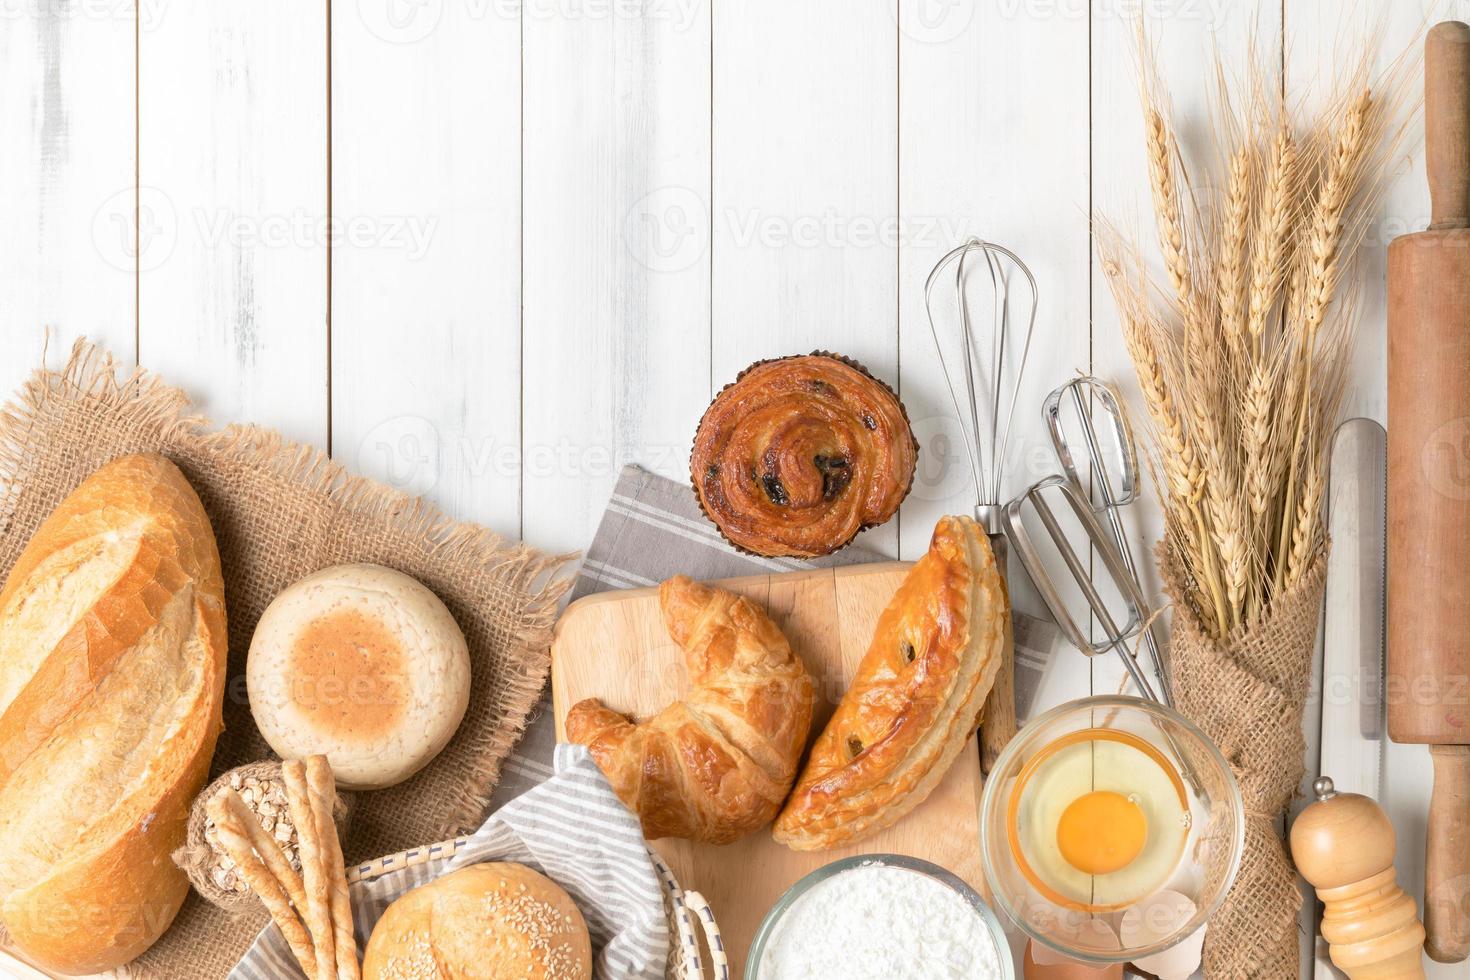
(1343, 844)
(1429, 488)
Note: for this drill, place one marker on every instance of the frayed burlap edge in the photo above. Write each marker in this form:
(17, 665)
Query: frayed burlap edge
(1248, 696)
(92, 372)
(152, 416)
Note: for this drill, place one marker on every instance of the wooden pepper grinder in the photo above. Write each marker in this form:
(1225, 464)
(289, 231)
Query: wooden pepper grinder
(1343, 844)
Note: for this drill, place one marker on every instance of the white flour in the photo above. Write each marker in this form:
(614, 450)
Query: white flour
(880, 923)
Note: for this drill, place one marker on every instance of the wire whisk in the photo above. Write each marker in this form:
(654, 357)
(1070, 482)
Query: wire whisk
(978, 382)
(977, 376)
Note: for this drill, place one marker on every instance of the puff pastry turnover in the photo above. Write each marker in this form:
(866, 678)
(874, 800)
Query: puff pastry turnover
(715, 766)
(916, 698)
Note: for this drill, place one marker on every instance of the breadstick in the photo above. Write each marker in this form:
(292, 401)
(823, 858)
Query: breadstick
(313, 867)
(324, 800)
(236, 843)
(265, 845)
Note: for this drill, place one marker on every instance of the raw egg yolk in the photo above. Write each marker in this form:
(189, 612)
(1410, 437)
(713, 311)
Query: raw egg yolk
(1101, 832)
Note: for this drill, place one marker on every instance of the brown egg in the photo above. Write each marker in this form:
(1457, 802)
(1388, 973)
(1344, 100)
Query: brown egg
(1057, 968)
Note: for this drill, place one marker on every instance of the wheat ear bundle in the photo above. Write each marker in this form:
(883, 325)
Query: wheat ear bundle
(1242, 343)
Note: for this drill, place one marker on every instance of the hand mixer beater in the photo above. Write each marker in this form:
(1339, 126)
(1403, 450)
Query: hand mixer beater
(982, 364)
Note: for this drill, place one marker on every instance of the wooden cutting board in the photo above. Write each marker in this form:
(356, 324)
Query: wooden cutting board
(613, 646)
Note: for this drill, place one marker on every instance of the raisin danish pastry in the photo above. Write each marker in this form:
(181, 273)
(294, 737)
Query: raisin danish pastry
(715, 766)
(799, 454)
(916, 698)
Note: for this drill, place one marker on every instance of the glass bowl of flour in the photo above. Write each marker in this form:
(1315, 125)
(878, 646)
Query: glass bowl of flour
(880, 917)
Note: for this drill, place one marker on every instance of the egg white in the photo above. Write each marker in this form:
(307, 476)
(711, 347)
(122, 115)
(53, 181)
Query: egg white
(1083, 768)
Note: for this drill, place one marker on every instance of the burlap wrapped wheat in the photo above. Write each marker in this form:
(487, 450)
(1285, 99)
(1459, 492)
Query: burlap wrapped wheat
(281, 510)
(1248, 695)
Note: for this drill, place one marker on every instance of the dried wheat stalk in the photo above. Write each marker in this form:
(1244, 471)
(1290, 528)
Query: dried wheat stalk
(1241, 349)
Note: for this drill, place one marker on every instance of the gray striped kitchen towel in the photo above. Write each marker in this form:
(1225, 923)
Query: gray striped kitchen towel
(652, 529)
(571, 828)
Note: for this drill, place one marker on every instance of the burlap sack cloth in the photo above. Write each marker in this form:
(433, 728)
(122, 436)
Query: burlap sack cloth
(1248, 696)
(279, 511)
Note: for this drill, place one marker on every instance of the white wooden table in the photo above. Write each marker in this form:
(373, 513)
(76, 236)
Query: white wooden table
(491, 254)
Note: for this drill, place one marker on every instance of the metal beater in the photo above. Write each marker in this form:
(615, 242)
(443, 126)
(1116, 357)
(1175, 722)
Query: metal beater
(985, 361)
(1113, 488)
(977, 392)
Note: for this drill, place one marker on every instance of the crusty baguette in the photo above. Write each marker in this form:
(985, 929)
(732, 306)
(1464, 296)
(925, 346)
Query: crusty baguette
(112, 665)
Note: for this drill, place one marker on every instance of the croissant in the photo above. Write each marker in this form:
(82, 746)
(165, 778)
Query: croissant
(915, 700)
(799, 454)
(715, 766)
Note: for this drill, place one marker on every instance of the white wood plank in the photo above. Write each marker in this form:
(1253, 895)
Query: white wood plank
(66, 183)
(617, 254)
(426, 272)
(805, 187)
(233, 152)
(1028, 191)
(1322, 34)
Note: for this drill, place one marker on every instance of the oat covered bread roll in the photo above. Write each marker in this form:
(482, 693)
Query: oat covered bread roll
(364, 665)
(915, 700)
(799, 454)
(483, 922)
(112, 665)
(715, 766)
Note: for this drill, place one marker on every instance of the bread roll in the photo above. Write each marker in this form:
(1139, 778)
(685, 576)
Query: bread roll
(484, 922)
(112, 663)
(364, 665)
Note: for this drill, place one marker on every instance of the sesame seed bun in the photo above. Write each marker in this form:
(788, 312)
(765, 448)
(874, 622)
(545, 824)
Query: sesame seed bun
(487, 920)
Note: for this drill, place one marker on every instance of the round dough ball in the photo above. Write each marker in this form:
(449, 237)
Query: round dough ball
(483, 922)
(364, 665)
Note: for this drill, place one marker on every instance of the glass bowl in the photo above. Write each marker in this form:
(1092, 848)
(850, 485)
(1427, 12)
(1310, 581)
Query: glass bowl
(773, 918)
(1209, 810)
